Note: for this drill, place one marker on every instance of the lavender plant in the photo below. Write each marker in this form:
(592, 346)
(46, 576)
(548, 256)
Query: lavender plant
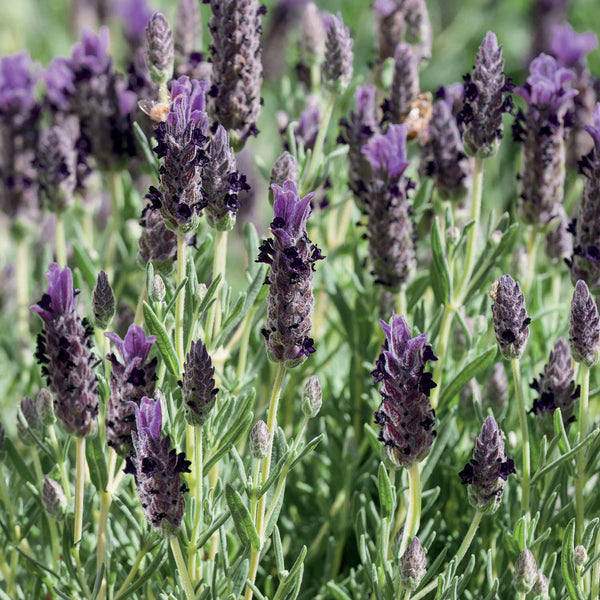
(279, 449)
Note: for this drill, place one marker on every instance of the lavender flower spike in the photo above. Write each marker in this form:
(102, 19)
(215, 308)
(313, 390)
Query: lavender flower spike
(405, 415)
(221, 182)
(181, 140)
(291, 256)
(359, 128)
(64, 349)
(485, 100)
(413, 564)
(160, 52)
(237, 68)
(198, 385)
(405, 85)
(488, 470)
(132, 378)
(338, 64)
(585, 262)
(157, 468)
(547, 93)
(390, 228)
(103, 301)
(511, 322)
(584, 330)
(285, 169)
(157, 244)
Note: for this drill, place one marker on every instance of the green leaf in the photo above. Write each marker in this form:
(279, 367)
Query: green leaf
(22, 469)
(559, 430)
(290, 586)
(241, 518)
(441, 283)
(207, 534)
(176, 293)
(163, 341)
(84, 263)
(307, 449)
(279, 560)
(148, 572)
(386, 496)
(567, 564)
(209, 296)
(238, 578)
(472, 369)
(96, 462)
(144, 145)
(98, 582)
(274, 474)
(232, 320)
(337, 592)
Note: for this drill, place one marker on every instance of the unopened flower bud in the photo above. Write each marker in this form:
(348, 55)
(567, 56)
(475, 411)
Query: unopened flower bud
(313, 397)
(541, 587)
(526, 573)
(495, 391)
(413, 564)
(27, 421)
(158, 290)
(160, 52)
(284, 169)
(452, 236)
(259, 440)
(584, 331)
(580, 556)
(198, 385)
(103, 301)
(338, 64)
(496, 237)
(313, 36)
(53, 498)
(44, 403)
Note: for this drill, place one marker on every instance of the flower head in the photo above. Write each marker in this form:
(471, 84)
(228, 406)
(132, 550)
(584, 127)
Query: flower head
(584, 330)
(338, 64)
(569, 47)
(405, 415)
(160, 52)
(198, 385)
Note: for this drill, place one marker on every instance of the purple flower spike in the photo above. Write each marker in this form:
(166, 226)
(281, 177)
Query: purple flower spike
(485, 100)
(488, 470)
(291, 256)
(548, 94)
(64, 349)
(132, 378)
(17, 85)
(405, 85)
(585, 262)
(338, 64)
(157, 468)
(389, 225)
(584, 329)
(359, 128)
(405, 415)
(569, 47)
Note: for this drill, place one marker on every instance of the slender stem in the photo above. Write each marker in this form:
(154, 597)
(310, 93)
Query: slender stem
(37, 466)
(198, 492)
(54, 541)
(441, 350)
(315, 159)
(60, 239)
(531, 256)
(596, 572)
(516, 369)
(163, 94)
(134, 568)
(79, 489)
(182, 568)
(581, 459)
(413, 514)
(407, 595)
(213, 320)
(60, 463)
(266, 467)
(245, 340)
(472, 241)
(105, 502)
(139, 310)
(466, 544)
(179, 307)
(22, 288)
(110, 245)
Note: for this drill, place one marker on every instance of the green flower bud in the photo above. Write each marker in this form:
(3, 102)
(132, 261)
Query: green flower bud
(259, 440)
(313, 397)
(44, 403)
(526, 573)
(412, 565)
(54, 499)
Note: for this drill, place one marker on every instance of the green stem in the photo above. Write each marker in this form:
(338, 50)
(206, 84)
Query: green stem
(22, 287)
(105, 502)
(516, 369)
(134, 568)
(531, 256)
(315, 159)
(413, 514)
(213, 320)
(182, 568)
(60, 463)
(198, 493)
(79, 489)
(139, 310)
(596, 572)
(472, 241)
(441, 348)
(581, 459)
(60, 239)
(179, 307)
(110, 243)
(266, 467)
(54, 541)
(407, 595)
(243, 354)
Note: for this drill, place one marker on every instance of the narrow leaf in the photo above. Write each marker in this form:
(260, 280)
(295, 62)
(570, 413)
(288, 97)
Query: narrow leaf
(241, 518)
(163, 341)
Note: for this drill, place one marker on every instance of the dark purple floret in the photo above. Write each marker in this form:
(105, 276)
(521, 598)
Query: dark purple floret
(584, 330)
(291, 256)
(389, 226)
(556, 388)
(444, 158)
(486, 100)
(405, 415)
(19, 112)
(541, 129)
(132, 377)
(488, 470)
(221, 182)
(236, 31)
(198, 385)
(585, 262)
(511, 322)
(64, 349)
(338, 64)
(157, 469)
(357, 130)
(181, 141)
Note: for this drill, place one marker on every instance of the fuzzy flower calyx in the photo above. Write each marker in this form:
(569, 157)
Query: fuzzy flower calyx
(584, 330)
(486, 473)
(405, 415)
(413, 564)
(198, 385)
